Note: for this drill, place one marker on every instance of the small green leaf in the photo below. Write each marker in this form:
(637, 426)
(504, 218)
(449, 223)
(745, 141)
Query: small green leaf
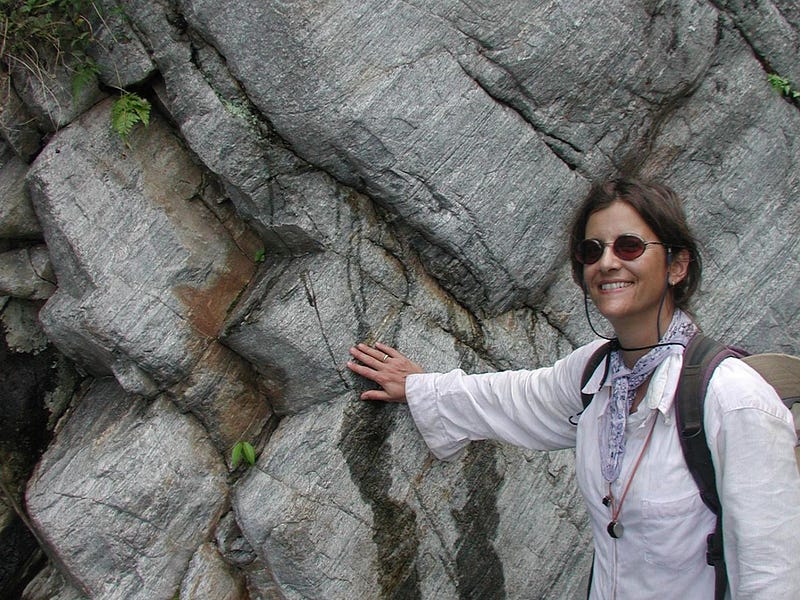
(249, 453)
(242, 450)
(236, 455)
(261, 255)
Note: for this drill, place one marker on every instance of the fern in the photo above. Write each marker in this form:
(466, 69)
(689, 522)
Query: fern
(128, 110)
(783, 86)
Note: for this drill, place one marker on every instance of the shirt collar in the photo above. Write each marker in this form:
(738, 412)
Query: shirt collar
(661, 390)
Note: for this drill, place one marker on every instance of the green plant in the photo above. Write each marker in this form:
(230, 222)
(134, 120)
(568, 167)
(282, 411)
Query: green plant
(36, 35)
(243, 450)
(261, 255)
(782, 85)
(35, 31)
(128, 110)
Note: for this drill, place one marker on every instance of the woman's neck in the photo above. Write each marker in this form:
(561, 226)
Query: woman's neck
(642, 335)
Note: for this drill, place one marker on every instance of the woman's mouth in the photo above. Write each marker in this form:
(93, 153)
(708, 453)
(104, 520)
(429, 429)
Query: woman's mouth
(614, 285)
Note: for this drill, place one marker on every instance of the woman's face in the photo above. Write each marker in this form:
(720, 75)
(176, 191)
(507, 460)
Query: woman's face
(627, 293)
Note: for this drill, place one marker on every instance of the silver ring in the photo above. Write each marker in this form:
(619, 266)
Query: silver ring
(385, 356)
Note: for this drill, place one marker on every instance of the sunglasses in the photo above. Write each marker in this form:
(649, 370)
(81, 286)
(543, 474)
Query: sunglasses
(626, 247)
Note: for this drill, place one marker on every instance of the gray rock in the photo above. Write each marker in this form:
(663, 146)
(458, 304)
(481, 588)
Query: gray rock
(48, 91)
(210, 578)
(132, 231)
(50, 584)
(117, 51)
(17, 217)
(23, 332)
(126, 494)
(231, 544)
(296, 322)
(772, 28)
(730, 157)
(367, 127)
(17, 124)
(409, 169)
(230, 137)
(26, 273)
(380, 518)
(135, 232)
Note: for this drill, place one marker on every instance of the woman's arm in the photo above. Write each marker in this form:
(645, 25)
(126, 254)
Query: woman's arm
(752, 441)
(531, 409)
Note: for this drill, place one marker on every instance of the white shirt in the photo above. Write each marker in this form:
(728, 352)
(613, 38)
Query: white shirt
(661, 553)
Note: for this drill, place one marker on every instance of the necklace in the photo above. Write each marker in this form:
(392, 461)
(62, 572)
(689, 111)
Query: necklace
(615, 528)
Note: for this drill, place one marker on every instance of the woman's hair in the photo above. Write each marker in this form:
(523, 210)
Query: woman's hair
(660, 208)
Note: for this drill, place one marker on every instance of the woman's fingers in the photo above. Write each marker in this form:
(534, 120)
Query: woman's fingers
(385, 366)
(377, 395)
(368, 356)
(362, 370)
(388, 351)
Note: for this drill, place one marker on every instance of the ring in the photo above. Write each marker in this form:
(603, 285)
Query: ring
(385, 356)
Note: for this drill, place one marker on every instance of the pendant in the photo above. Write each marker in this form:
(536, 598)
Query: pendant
(615, 529)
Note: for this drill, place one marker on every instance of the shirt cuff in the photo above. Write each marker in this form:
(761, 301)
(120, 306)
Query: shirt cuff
(422, 399)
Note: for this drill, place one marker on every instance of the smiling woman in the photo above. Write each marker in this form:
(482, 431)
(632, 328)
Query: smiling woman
(637, 261)
(633, 285)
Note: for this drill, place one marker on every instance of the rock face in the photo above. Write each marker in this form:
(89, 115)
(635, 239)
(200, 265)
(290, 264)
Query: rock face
(316, 174)
(136, 230)
(110, 541)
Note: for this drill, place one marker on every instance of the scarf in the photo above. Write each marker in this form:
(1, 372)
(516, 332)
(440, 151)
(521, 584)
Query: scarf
(624, 383)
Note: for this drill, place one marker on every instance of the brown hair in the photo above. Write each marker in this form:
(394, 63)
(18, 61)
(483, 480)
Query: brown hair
(660, 208)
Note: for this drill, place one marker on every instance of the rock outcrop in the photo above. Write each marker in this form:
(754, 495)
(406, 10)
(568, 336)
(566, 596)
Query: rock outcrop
(316, 174)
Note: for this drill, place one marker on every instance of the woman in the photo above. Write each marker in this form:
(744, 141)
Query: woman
(635, 258)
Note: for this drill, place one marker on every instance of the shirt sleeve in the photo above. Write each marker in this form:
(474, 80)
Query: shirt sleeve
(752, 440)
(532, 409)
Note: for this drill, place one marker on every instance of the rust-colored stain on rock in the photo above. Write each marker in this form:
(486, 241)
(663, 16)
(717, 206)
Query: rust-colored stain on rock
(207, 307)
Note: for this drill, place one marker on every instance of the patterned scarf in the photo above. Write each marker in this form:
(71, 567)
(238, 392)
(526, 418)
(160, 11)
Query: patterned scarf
(624, 383)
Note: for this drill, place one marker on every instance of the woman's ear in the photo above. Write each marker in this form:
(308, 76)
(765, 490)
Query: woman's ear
(678, 266)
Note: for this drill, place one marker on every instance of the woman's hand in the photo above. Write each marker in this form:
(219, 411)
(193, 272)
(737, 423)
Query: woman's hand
(385, 366)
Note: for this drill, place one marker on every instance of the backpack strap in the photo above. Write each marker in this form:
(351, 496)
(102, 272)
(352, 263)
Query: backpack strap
(701, 357)
(602, 353)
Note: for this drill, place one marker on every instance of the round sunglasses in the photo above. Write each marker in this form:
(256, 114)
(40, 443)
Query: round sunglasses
(627, 247)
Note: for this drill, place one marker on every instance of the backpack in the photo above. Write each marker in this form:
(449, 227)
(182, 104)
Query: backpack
(701, 357)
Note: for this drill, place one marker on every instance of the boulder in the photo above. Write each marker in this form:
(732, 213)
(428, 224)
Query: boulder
(210, 578)
(17, 124)
(126, 494)
(369, 130)
(26, 273)
(146, 270)
(17, 217)
(118, 53)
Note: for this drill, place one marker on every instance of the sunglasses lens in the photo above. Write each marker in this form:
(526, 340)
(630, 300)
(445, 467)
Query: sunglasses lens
(589, 252)
(628, 247)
